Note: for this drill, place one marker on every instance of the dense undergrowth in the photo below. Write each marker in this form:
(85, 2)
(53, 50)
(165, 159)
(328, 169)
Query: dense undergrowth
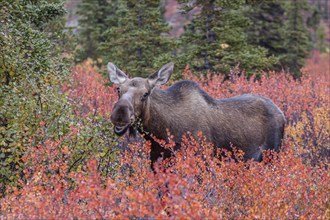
(103, 184)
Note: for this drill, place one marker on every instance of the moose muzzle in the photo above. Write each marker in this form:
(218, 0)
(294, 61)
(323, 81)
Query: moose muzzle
(122, 116)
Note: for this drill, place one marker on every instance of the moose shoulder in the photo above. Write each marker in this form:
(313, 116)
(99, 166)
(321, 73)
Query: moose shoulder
(252, 123)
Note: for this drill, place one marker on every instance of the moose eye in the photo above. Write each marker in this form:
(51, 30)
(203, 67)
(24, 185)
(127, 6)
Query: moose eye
(145, 95)
(118, 91)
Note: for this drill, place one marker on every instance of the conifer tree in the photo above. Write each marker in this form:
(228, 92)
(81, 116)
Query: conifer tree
(326, 10)
(297, 40)
(138, 43)
(216, 39)
(93, 21)
(313, 24)
(266, 27)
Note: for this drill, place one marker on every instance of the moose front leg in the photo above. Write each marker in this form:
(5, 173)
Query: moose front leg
(157, 152)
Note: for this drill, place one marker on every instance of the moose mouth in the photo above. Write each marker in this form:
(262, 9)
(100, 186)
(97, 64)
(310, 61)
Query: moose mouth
(121, 130)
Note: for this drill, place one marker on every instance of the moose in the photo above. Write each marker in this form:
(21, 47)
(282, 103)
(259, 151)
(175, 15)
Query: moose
(251, 123)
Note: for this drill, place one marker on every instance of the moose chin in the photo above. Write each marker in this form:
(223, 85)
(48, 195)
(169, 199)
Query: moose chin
(250, 122)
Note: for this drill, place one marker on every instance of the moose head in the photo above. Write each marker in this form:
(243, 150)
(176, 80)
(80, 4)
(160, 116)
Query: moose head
(134, 95)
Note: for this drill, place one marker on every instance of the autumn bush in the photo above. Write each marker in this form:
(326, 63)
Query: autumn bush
(31, 72)
(88, 91)
(92, 102)
(293, 184)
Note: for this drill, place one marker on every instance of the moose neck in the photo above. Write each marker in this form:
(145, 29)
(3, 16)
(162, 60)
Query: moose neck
(157, 115)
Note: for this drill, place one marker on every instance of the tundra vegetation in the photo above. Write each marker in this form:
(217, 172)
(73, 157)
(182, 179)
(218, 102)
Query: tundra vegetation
(122, 185)
(60, 158)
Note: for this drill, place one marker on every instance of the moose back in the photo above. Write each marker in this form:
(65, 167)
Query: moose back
(249, 122)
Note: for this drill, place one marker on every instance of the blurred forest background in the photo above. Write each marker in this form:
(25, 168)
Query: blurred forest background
(212, 35)
(55, 103)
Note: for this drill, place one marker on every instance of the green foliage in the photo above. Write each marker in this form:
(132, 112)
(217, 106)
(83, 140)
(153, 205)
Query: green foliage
(297, 42)
(323, 7)
(95, 139)
(33, 107)
(281, 27)
(326, 10)
(321, 44)
(266, 27)
(254, 35)
(317, 30)
(138, 42)
(93, 21)
(92, 102)
(216, 39)
(30, 76)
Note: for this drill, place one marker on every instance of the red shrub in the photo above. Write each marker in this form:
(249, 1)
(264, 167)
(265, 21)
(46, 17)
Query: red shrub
(88, 91)
(197, 185)
(296, 184)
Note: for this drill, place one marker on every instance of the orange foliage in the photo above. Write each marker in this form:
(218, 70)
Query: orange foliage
(196, 185)
(295, 184)
(88, 91)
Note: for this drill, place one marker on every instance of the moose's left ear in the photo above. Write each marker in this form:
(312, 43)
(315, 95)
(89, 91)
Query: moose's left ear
(161, 76)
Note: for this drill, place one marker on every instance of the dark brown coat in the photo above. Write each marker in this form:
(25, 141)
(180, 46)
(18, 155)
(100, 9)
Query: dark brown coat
(252, 123)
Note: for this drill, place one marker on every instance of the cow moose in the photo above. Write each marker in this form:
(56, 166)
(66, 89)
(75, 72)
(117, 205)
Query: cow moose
(250, 122)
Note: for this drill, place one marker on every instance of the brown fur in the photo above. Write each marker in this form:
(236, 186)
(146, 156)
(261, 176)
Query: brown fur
(252, 123)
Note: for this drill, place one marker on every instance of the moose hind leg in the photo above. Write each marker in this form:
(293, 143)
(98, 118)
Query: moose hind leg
(274, 140)
(256, 156)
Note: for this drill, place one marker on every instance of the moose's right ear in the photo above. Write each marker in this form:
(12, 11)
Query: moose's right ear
(116, 75)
